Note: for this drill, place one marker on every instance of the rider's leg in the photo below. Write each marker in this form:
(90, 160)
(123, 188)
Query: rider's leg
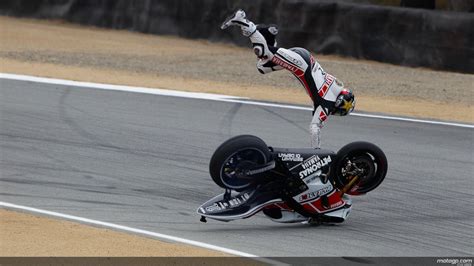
(260, 46)
(249, 29)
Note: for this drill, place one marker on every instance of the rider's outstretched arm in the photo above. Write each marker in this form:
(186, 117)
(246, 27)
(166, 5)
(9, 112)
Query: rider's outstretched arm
(319, 117)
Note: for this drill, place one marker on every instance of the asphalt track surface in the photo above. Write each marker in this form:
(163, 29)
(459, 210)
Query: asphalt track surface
(142, 161)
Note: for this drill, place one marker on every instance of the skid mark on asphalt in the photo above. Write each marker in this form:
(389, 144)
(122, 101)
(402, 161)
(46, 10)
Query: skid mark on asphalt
(291, 122)
(225, 125)
(76, 127)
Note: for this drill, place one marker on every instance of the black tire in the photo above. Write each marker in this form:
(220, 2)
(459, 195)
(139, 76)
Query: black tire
(234, 155)
(366, 156)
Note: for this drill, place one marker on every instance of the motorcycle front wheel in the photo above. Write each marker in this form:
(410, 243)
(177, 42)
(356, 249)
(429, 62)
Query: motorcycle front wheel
(364, 160)
(233, 157)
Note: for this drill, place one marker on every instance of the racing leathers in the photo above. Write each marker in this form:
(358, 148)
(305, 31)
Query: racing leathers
(322, 88)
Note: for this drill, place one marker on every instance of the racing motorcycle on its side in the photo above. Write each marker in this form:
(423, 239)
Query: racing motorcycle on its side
(290, 185)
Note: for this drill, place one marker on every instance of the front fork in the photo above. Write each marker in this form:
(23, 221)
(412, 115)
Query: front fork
(349, 185)
(355, 174)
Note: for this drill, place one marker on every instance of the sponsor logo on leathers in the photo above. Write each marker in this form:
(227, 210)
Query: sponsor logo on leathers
(290, 58)
(286, 65)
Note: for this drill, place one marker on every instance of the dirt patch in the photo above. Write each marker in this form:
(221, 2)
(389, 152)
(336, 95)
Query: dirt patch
(57, 49)
(28, 235)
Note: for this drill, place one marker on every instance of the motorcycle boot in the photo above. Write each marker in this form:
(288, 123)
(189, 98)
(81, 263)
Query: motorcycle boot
(239, 19)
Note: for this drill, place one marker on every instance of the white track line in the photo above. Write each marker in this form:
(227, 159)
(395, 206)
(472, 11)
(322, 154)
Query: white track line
(205, 96)
(103, 86)
(138, 231)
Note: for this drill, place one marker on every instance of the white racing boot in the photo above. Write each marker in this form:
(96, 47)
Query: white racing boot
(239, 19)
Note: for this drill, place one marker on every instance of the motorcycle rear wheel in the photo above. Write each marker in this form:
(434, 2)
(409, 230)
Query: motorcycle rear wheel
(233, 157)
(364, 157)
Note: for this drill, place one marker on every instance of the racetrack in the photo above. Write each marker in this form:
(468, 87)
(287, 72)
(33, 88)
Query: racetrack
(142, 160)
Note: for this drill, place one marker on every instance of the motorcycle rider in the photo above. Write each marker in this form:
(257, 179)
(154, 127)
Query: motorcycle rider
(328, 94)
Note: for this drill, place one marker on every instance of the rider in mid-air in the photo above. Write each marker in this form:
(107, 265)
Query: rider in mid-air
(327, 93)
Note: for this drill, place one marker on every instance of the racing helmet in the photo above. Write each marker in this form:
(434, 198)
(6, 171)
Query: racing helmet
(345, 103)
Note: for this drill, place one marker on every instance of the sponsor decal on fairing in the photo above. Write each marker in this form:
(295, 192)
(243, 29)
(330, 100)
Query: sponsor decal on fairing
(337, 204)
(313, 164)
(311, 178)
(292, 157)
(213, 207)
(316, 194)
(222, 205)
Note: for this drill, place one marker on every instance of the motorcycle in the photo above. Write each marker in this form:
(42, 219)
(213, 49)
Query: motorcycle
(290, 185)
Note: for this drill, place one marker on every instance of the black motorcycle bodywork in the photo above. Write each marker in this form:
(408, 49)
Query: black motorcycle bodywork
(255, 176)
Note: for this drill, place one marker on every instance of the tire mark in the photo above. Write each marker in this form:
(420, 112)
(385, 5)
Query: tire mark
(268, 110)
(226, 121)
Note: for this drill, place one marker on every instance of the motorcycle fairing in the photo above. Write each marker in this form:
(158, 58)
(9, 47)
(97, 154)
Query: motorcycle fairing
(237, 205)
(299, 183)
(305, 163)
(317, 205)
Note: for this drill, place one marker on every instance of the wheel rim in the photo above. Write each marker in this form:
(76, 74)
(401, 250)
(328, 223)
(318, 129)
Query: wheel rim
(365, 167)
(234, 165)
